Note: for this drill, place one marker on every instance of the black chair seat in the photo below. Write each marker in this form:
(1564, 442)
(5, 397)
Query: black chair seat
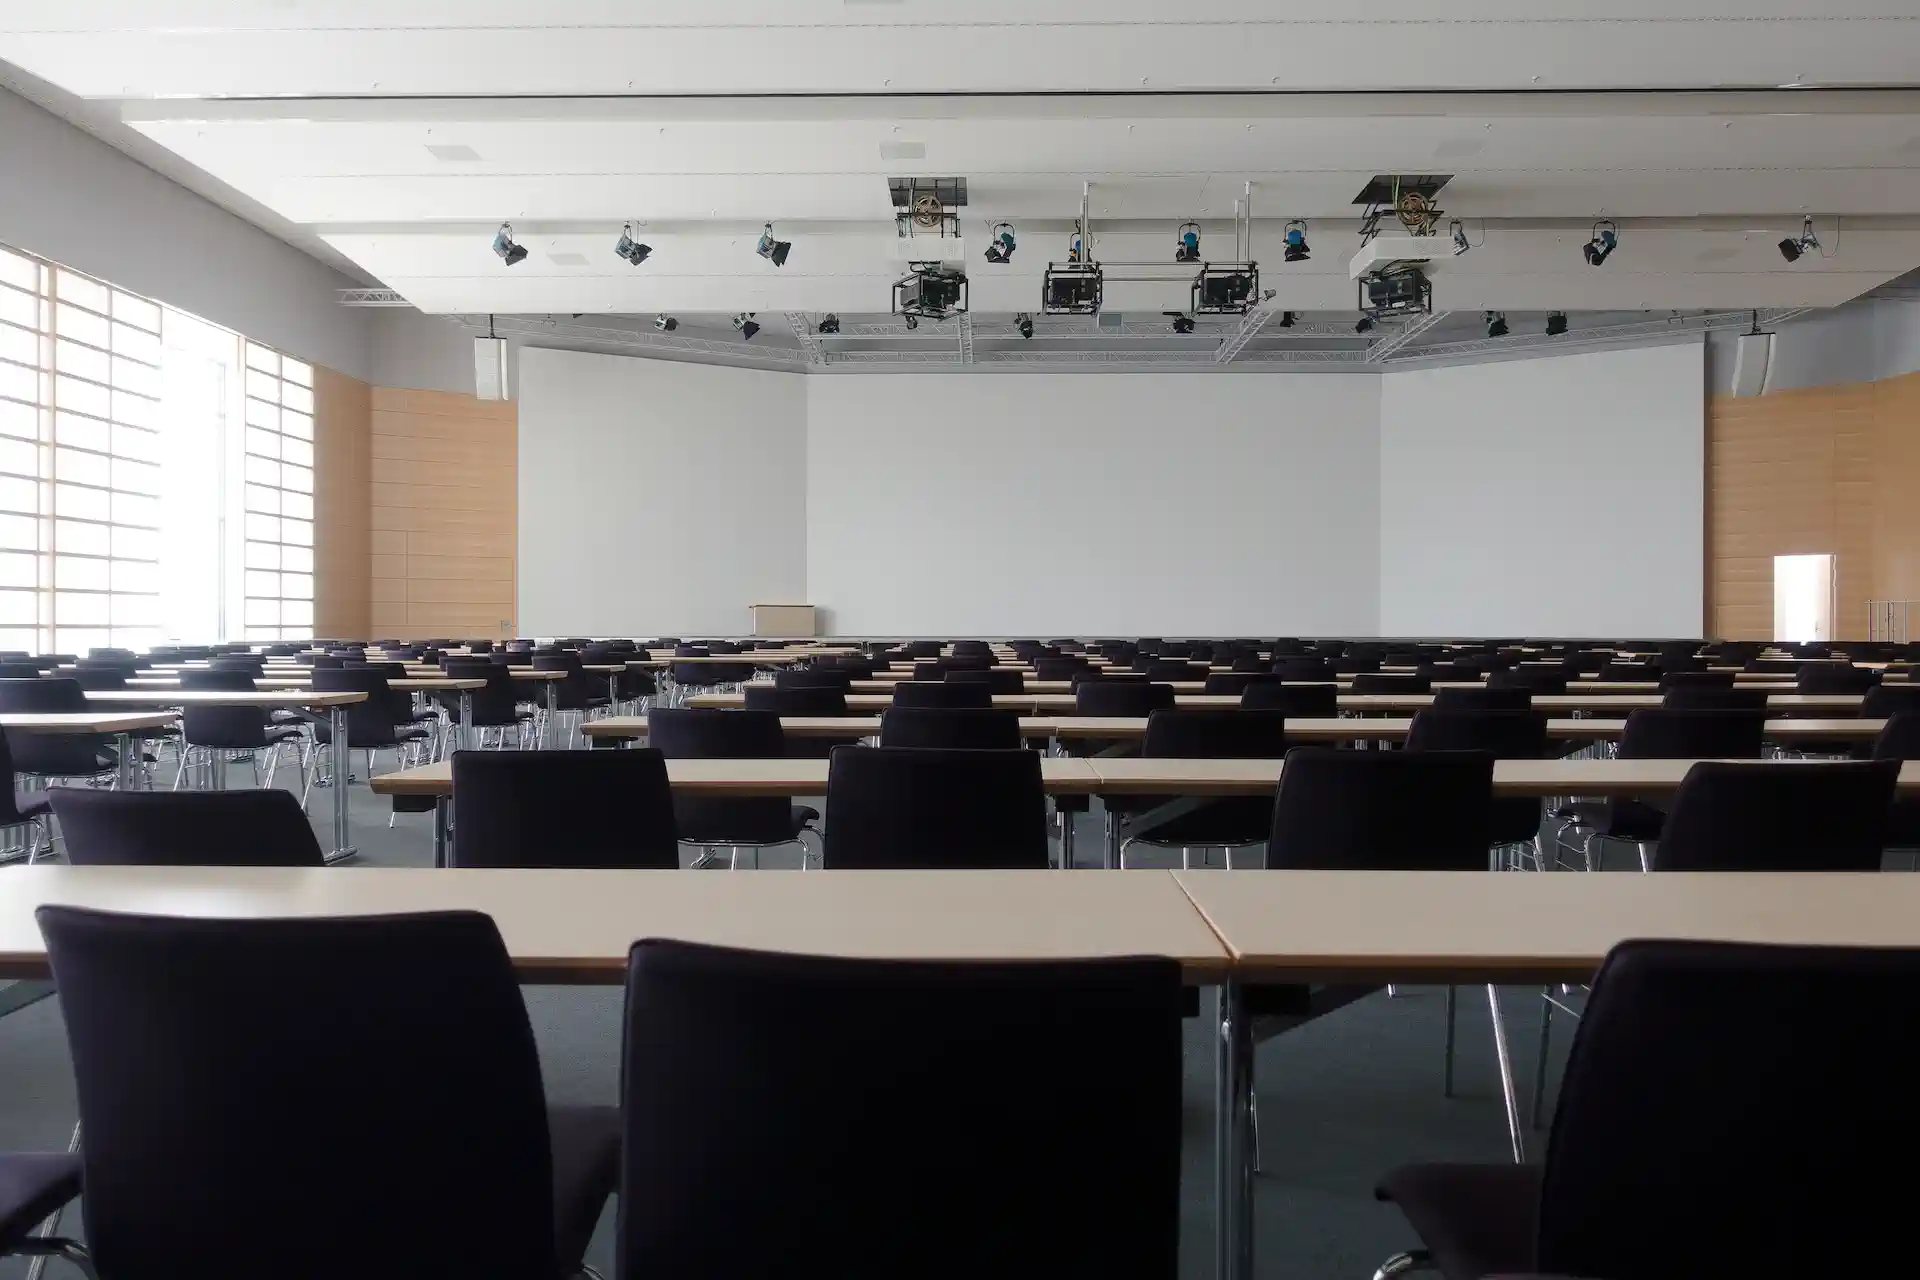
(32, 1185)
(283, 733)
(804, 815)
(31, 804)
(1476, 1220)
(412, 733)
(586, 1167)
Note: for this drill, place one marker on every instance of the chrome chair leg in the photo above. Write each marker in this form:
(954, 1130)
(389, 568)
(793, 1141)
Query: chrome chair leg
(1646, 855)
(1453, 1000)
(1508, 1093)
(1402, 1263)
(1540, 1068)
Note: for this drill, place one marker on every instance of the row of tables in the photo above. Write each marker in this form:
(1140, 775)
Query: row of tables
(1228, 932)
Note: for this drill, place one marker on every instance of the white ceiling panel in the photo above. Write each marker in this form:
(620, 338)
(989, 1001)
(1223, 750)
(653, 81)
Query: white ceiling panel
(179, 48)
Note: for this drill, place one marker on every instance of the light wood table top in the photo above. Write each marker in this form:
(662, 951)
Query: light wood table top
(1413, 926)
(1378, 703)
(1131, 775)
(516, 673)
(410, 684)
(577, 926)
(84, 721)
(222, 698)
(782, 777)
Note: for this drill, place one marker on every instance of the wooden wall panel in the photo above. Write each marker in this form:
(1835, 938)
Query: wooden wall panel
(1821, 470)
(342, 515)
(441, 494)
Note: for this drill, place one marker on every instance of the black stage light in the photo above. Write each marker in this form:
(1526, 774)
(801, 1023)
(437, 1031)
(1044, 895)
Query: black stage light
(503, 245)
(1024, 323)
(1286, 319)
(1182, 323)
(1497, 324)
(1364, 325)
(828, 326)
(1605, 240)
(744, 323)
(665, 323)
(774, 251)
(630, 249)
(1556, 324)
(1188, 247)
(1296, 238)
(1000, 243)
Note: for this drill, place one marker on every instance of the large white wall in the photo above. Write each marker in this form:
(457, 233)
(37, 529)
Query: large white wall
(1560, 496)
(657, 497)
(1238, 504)
(69, 197)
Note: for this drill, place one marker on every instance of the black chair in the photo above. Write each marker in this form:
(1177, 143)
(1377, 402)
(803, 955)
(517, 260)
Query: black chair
(1835, 677)
(1899, 739)
(496, 707)
(962, 729)
(997, 679)
(265, 827)
(216, 733)
(790, 1043)
(34, 1186)
(25, 814)
(1382, 811)
(55, 755)
(1670, 680)
(1675, 1136)
(926, 807)
(1375, 682)
(1825, 816)
(1665, 733)
(270, 1165)
(1484, 699)
(1235, 683)
(370, 722)
(804, 700)
(1192, 733)
(753, 822)
(940, 693)
(1509, 735)
(578, 809)
(1707, 697)
(1129, 698)
(1303, 669)
(1887, 700)
(1539, 680)
(1295, 701)
(837, 678)
(1057, 668)
(1168, 671)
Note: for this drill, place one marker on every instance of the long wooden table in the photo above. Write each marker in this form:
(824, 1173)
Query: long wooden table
(1378, 703)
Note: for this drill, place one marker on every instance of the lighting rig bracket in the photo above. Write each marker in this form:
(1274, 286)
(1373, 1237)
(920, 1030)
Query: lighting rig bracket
(934, 291)
(1229, 289)
(927, 206)
(1075, 287)
(1406, 198)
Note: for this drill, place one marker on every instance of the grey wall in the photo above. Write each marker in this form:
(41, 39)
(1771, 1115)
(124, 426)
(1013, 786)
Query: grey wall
(69, 197)
(1861, 342)
(423, 352)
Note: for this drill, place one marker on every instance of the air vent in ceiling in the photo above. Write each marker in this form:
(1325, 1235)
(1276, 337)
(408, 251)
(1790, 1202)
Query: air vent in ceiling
(903, 151)
(567, 259)
(453, 153)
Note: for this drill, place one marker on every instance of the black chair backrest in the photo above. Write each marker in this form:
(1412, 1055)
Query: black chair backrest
(1835, 677)
(1532, 679)
(264, 827)
(1899, 738)
(939, 693)
(582, 809)
(1668, 733)
(1509, 735)
(1201, 733)
(1303, 669)
(266, 1156)
(1235, 683)
(805, 701)
(789, 1042)
(1296, 701)
(1672, 1112)
(1488, 699)
(1378, 682)
(1057, 668)
(1885, 700)
(222, 680)
(968, 729)
(1121, 698)
(997, 679)
(51, 694)
(1823, 816)
(20, 671)
(1382, 811)
(895, 807)
(1714, 698)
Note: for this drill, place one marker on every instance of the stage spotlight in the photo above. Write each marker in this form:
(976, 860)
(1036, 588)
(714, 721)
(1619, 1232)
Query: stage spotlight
(1024, 323)
(1188, 248)
(665, 323)
(1287, 318)
(1556, 324)
(774, 251)
(503, 245)
(629, 248)
(1793, 250)
(1000, 243)
(1182, 322)
(1606, 238)
(1497, 324)
(1296, 237)
(744, 323)
(828, 326)
(913, 322)
(1364, 325)
(1460, 242)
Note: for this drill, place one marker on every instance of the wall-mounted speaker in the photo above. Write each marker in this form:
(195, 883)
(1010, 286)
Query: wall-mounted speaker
(490, 369)
(1752, 358)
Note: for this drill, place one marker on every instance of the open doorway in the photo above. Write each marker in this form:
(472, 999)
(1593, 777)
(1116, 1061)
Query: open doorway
(1802, 599)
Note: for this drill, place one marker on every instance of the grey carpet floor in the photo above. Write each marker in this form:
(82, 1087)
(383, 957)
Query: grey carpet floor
(1341, 1100)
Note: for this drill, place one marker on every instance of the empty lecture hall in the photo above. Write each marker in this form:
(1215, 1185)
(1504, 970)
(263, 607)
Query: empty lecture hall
(575, 709)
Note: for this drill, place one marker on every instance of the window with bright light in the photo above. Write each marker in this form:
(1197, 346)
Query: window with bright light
(278, 499)
(156, 472)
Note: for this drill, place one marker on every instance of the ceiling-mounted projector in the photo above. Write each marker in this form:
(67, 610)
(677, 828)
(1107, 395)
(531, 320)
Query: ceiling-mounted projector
(1386, 253)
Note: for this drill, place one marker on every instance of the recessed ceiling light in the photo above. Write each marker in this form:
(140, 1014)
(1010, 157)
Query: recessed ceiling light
(454, 153)
(903, 151)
